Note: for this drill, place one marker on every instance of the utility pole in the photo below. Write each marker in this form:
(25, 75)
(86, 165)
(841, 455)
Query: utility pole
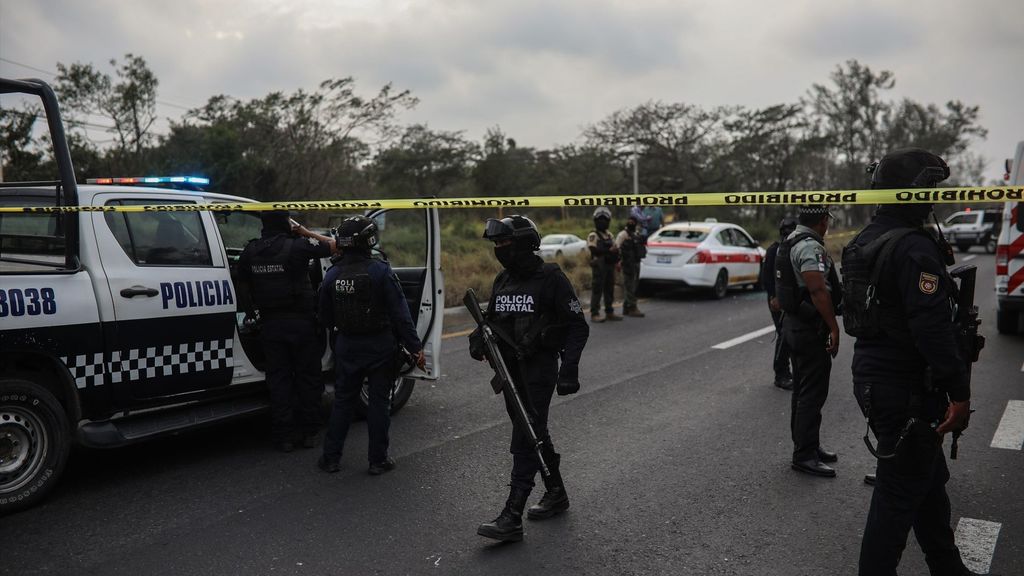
(636, 173)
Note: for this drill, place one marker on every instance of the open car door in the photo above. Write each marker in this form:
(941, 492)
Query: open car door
(411, 241)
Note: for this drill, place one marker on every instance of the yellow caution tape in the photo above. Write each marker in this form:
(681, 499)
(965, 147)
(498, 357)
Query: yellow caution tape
(912, 196)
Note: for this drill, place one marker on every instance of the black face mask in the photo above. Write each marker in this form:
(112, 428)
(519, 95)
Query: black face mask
(601, 224)
(505, 255)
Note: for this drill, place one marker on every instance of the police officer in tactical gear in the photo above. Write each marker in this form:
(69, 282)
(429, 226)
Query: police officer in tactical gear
(274, 271)
(604, 254)
(910, 369)
(632, 247)
(542, 332)
(781, 362)
(808, 290)
(362, 300)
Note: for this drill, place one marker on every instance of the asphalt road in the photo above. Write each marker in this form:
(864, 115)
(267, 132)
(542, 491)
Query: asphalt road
(676, 456)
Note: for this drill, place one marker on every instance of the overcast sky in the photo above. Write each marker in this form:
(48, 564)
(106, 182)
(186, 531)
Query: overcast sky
(542, 70)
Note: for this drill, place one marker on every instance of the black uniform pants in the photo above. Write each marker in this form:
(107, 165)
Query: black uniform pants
(781, 360)
(293, 348)
(812, 365)
(535, 381)
(603, 284)
(379, 378)
(910, 491)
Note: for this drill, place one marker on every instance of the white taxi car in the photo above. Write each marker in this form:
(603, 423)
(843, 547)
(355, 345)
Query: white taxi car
(555, 245)
(709, 255)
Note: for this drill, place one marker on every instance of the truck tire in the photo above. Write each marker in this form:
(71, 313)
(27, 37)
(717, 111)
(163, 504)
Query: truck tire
(35, 440)
(1006, 321)
(990, 245)
(400, 393)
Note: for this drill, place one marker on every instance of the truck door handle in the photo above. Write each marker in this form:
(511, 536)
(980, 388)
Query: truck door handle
(138, 291)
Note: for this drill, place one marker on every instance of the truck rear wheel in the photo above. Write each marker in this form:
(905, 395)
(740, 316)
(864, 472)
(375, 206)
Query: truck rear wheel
(34, 443)
(1007, 321)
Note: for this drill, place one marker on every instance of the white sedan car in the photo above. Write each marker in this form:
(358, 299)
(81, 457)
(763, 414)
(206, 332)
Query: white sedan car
(567, 245)
(702, 255)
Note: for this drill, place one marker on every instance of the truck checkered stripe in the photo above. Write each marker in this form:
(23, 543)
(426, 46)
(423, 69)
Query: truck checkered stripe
(152, 362)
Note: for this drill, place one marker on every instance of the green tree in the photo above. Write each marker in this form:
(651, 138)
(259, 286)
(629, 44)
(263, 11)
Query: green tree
(290, 146)
(424, 162)
(129, 103)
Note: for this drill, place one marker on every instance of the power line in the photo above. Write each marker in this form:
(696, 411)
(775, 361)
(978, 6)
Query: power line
(171, 104)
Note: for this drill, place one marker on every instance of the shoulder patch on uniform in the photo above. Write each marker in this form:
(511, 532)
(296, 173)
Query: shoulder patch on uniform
(313, 241)
(928, 283)
(575, 307)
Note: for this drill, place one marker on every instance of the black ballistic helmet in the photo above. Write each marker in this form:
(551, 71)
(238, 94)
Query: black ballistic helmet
(603, 212)
(908, 168)
(520, 229)
(787, 225)
(275, 220)
(356, 232)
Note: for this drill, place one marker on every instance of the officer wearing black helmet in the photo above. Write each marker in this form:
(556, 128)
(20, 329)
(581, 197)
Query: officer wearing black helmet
(542, 332)
(911, 368)
(604, 254)
(274, 271)
(781, 360)
(362, 300)
(807, 287)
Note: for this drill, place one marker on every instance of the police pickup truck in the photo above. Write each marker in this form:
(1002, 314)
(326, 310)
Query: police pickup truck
(117, 327)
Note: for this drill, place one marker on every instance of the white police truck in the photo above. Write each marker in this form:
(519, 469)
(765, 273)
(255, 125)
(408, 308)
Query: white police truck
(117, 327)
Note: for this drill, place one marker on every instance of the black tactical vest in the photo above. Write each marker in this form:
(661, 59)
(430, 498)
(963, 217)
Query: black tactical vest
(789, 293)
(633, 248)
(605, 242)
(356, 309)
(277, 284)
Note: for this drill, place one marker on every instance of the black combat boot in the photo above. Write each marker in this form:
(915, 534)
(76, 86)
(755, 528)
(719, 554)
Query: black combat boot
(508, 526)
(554, 501)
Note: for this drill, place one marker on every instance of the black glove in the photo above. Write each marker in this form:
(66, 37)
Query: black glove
(477, 346)
(568, 380)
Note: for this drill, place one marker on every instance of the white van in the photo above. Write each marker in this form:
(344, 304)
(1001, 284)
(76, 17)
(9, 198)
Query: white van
(973, 228)
(1010, 255)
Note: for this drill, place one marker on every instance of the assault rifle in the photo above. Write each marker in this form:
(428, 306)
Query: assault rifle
(966, 318)
(502, 381)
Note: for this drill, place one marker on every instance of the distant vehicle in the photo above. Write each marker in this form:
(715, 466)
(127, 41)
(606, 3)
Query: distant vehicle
(567, 245)
(1010, 255)
(712, 256)
(973, 228)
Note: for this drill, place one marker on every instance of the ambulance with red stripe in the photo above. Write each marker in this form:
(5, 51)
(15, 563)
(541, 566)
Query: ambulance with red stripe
(711, 256)
(1010, 255)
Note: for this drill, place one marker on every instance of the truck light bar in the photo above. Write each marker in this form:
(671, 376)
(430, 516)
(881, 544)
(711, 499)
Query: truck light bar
(197, 180)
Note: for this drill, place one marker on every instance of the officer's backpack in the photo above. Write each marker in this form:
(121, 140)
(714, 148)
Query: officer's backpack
(862, 266)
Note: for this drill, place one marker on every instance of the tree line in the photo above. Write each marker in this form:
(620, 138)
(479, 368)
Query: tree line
(334, 142)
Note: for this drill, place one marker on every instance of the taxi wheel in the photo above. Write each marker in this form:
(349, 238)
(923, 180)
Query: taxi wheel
(721, 286)
(400, 393)
(35, 440)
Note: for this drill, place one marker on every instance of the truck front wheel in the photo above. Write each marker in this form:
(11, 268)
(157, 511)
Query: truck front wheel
(34, 443)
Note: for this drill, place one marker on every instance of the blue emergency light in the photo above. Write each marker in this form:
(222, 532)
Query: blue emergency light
(197, 180)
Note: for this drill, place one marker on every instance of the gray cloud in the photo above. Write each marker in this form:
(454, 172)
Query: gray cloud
(540, 69)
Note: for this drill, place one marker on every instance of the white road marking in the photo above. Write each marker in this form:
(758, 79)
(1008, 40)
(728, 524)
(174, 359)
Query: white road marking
(744, 338)
(971, 257)
(1010, 433)
(976, 540)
